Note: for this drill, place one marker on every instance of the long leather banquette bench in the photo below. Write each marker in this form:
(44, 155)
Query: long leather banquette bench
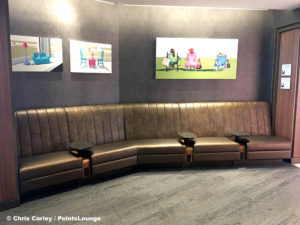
(127, 135)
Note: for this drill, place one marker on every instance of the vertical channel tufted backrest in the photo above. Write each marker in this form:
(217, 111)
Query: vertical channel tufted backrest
(150, 121)
(48, 130)
(42, 131)
(97, 124)
(216, 119)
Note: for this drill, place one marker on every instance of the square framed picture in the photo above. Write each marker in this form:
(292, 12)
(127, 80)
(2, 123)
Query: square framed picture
(36, 54)
(89, 57)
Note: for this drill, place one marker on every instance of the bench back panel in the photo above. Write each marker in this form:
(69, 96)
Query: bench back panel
(42, 131)
(151, 121)
(97, 124)
(216, 119)
(48, 130)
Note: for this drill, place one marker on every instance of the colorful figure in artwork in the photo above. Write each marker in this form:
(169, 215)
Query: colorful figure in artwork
(100, 60)
(221, 62)
(174, 58)
(26, 62)
(191, 60)
(83, 60)
(92, 60)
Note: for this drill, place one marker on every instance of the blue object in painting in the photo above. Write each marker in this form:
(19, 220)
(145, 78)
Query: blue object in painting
(220, 61)
(26, 62)
(100, 60)
(41, 58)
(82, 59)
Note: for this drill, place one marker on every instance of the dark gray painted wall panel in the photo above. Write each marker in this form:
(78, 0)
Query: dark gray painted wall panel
(139, 27)
(286, 17)
(92, 21)
(132, 32)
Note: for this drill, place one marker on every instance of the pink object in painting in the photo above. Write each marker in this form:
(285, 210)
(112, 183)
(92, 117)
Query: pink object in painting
(191, 60)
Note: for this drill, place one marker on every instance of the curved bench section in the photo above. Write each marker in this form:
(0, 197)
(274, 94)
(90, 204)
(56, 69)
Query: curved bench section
(127, 135)
(118, 155)
(113, 156)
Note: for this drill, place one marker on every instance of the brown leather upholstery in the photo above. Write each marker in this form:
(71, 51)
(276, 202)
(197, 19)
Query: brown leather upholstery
(96, 124)
(268, 147)
(113, 151)
(215, 144)
(160, 151)
(160, 159)
(118, 150)
(43, 140)
(215, 149)
(159, 147)
(146, 151)
(42, 131)
(268, 155)
(114, 165)
(53, 179)
(47, 164)
(220, 156)
(130, 134)
(215, 119)
(151, 121)
(268, 143)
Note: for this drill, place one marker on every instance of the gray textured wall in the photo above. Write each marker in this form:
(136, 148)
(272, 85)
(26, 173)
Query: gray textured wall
(93, 21)
(286, 17)
(139, 26)
(132, 32)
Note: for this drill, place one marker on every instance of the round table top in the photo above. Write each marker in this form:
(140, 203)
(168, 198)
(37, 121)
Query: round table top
(187, 135)
(81, 145)
(238, 133)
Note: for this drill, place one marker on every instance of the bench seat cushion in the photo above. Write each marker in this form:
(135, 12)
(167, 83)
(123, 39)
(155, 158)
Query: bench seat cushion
(268, 143)
(113, 151)
(48, 164)
(160, 147)
(124, 149)
(215, 144)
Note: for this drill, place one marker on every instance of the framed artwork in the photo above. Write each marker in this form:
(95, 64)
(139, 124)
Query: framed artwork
(36, 54)
(89, 57)
(196, 58)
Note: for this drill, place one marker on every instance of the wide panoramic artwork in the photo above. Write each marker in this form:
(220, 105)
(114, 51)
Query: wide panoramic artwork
(36, 54)
(196, 58)
(88, 57)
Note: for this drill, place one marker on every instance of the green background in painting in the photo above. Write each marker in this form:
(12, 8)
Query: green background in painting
(208, 70)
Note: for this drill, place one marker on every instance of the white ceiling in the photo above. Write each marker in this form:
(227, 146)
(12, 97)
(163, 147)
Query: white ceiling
(240, 4)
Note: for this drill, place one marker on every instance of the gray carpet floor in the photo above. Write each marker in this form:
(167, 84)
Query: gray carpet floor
(262, 195)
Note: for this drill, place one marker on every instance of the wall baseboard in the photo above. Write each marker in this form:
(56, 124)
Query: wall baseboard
(9, 204)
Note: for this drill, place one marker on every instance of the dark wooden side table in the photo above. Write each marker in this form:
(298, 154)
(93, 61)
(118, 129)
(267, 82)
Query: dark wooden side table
(82, 149)
(240, 137)
(188, 139)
